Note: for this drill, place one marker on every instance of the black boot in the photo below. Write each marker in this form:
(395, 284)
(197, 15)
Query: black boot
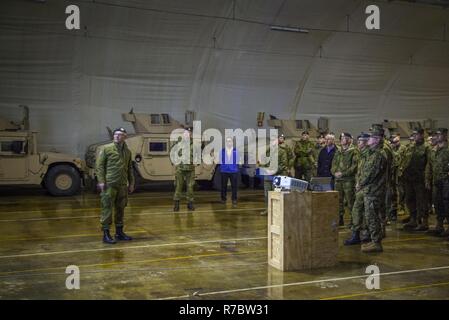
(341, 222)
(190, 206)
(176, 207)
(355, 239)
(107, 237)
(120, 235)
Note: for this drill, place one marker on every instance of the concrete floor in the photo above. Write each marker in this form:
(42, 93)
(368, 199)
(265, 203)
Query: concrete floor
(215, 253)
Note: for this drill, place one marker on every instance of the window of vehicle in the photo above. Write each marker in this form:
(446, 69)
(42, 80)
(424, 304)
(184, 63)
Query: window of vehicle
(165, 118)
(157, 147)
(155, 119)
(12, 147)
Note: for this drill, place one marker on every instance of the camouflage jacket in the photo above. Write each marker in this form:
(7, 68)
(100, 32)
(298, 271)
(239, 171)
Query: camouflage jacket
(373, 173)
(389, 155)
(304, 154)
(345, 161)
(440, 164)
(114, 165)
(285, 160)
(361, 158)
(416, 160)
(190, 166)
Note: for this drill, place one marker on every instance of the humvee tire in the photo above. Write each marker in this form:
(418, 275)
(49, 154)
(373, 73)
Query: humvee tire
(62, 180)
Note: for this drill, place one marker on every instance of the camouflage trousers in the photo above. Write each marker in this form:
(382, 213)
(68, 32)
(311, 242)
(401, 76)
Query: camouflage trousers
(113, 198)
(416, 199)
(366, 216)
(401, 194)
(184, 178)
(304, 173)
(267, 186)
(346, 194)
(441, 199)
(392, 200)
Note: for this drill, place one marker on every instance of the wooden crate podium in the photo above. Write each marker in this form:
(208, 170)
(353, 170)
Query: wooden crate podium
(302, 229)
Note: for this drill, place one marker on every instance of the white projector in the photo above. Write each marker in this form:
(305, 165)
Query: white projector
(287, 183)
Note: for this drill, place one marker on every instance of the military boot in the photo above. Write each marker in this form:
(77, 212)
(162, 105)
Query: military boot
(411, 225)
(176, 207)
(438, 228)
(372, 247)
(107, 237)
(355, 239)
(120, 235)
(424, 225)
(190, 206)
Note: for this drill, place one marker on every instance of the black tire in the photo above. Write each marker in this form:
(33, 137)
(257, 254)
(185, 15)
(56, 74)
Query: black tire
(63, 180)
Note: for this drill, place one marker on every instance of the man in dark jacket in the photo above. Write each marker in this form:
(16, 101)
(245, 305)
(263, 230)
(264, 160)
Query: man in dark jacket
(326, 156)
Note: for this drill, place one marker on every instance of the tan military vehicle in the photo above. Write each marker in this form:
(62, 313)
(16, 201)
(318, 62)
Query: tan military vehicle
(292, 130)
(405, 128)
(150, 149)
(22, 164)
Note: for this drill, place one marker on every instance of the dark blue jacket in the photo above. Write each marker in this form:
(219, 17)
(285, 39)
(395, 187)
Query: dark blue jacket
(229, 165)
(325, 162)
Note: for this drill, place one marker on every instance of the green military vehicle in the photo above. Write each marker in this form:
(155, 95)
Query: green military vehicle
(22, 164)
(150, 150)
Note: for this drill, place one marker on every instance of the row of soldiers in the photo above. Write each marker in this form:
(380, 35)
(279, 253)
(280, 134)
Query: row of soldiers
(375, 178)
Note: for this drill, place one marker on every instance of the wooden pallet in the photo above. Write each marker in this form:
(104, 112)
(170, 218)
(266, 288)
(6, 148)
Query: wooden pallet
(302, 230)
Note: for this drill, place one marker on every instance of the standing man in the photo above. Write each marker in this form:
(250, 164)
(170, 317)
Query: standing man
(358, 208)
(229, 169)
(325, 158)
(115, 177)
(185, 174)
(344, 169)
(285, 163)
(372, 183)
(440, 181)
(417, 185)
(394, 197)
(304, 157)
(388, 153)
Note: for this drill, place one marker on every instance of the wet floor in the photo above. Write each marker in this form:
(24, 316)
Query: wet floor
(217, 252)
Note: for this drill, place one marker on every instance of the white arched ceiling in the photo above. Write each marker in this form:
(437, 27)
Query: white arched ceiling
(219, 58)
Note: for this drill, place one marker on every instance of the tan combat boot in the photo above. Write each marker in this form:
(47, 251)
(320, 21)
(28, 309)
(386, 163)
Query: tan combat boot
(372, 247)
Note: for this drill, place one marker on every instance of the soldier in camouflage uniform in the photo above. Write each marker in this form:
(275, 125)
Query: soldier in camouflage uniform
(440, 181)
(344, 169)
(396, 191)
(401, 181)
(372, 183)
(285, 163)
(388, 153)
(115, 177)
(433, 144)
(416, 160)
(305, 160)
(185, 174)
(358, 208)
